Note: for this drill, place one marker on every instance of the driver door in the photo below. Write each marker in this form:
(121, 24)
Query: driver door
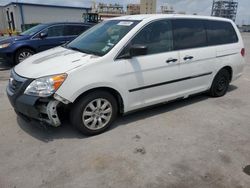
(55, 37)
(152, 78)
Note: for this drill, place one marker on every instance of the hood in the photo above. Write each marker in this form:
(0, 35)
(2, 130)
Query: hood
(13, 39)
(55, 61)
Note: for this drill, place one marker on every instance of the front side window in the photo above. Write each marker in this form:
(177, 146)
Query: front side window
(189, 33)
(100, 39)
(156, 36)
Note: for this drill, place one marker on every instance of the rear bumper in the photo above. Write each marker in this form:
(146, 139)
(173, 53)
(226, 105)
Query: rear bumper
(238, 69)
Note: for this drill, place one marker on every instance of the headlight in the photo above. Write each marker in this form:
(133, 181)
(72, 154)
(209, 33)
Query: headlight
(45, 86)
(5, 45)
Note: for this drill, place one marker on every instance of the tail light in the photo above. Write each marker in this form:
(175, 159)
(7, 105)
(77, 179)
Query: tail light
(243, 52)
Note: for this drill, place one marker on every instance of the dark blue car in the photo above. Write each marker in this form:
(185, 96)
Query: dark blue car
(39, 38)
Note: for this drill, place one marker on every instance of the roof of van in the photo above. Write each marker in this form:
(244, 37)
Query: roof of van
(158, 16)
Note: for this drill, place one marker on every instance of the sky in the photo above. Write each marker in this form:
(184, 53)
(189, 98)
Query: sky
(201, 7)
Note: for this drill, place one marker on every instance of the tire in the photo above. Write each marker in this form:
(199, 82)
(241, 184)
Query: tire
(220, 84)
(22, 54)
(90, 116)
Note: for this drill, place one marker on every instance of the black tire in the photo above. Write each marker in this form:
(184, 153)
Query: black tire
(22, 51)
(76, 114)
(220, 84)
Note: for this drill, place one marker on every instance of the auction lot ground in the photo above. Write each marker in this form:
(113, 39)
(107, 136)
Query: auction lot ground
(199, 142)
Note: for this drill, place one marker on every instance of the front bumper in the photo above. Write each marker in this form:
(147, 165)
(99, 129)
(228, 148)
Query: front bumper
(42, 109)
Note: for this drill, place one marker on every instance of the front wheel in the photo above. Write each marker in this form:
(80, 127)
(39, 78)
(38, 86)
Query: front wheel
(23, 54)
(94, 113)
(220, 84)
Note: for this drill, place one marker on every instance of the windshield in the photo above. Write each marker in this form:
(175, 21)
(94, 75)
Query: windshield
(33, 30)
(100, 39)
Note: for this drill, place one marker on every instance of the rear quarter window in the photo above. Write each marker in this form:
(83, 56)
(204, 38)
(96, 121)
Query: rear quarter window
(220, 32)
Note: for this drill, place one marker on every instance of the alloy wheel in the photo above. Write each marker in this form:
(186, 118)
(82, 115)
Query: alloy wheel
(24, 55)
(97, 114)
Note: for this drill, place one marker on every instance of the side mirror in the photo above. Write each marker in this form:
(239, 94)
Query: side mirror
(43, 35)
(133, 50)
(137, 50)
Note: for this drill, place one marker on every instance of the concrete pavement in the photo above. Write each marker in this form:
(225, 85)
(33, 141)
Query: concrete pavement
(193, 143)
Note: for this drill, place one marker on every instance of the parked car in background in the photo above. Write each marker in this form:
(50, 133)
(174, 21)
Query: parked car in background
(125, 64)
(39, 38)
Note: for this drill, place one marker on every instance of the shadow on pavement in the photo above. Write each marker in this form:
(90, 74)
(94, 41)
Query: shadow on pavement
(232, 88)
(48, 133)
(5, 66)
(163, 108)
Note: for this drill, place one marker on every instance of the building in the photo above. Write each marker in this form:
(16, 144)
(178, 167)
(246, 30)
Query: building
(17, 15)
(133, 9)
(225, 8)
(181, 12)
(148, 6)
(3, 24)
(107, 8)
(106, 11)
(167, 9)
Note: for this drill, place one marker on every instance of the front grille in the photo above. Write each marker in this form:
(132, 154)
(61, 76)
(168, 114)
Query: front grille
(15, 82)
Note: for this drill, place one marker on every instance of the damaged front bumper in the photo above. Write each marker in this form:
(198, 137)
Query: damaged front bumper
(32, 107)
(35, 108)
(49, 113)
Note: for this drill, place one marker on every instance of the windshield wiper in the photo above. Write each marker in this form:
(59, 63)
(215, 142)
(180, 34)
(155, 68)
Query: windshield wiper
(83, 51)
(73, 48)
(93, 53)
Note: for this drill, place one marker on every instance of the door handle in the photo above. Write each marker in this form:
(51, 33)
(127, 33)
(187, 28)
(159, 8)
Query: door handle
(188, 57)
(171, 60)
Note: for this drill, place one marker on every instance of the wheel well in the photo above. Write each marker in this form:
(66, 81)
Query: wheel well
(25, 47)
(230, 70)
(112, 91)
(21, 47)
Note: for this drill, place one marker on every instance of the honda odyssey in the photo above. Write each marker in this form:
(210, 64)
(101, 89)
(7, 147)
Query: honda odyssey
(127, 63)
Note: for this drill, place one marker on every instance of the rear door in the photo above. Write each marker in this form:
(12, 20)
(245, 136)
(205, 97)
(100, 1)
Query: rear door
(197, 60)
(152, 78)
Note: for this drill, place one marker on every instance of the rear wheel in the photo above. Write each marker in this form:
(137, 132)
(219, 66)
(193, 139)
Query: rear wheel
(220, 84)
(23, 54)
(94, 113)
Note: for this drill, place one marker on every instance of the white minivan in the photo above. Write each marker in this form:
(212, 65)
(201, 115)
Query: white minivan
(127, 63)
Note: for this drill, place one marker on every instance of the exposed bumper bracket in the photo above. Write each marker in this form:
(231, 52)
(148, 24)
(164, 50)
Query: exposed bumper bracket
(52, 113)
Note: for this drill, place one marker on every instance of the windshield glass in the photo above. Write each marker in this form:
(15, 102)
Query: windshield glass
(100, 39)
(33, 30)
